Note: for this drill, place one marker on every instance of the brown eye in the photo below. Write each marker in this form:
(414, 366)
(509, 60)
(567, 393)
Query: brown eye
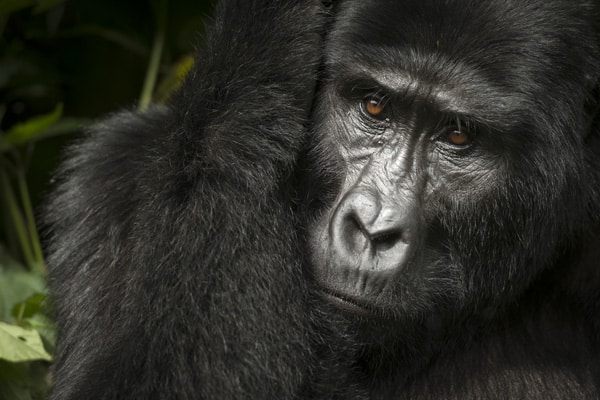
(458, 138)
(374, 107)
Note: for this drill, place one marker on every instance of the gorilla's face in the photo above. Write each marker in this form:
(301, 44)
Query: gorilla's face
(457, 154)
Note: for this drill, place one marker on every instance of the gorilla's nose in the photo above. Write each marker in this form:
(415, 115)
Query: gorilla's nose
(368, 233)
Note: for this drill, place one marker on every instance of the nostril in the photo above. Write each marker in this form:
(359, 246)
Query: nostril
(355, 233)
(385, 241)
(361, 236)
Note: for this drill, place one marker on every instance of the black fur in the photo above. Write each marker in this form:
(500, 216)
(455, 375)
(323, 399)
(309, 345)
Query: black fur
(173, 261)
(191, 248)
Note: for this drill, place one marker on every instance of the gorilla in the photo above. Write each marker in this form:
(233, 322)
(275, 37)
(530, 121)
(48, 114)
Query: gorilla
(345, 200)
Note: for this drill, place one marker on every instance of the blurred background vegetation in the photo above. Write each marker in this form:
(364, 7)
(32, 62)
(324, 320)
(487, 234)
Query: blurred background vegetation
(64, 64)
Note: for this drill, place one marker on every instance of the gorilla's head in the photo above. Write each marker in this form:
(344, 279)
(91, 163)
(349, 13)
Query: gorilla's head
(451, 148)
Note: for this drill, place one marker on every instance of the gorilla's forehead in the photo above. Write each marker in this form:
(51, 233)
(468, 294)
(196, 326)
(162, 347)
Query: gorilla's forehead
(503, 39)
(446, 24)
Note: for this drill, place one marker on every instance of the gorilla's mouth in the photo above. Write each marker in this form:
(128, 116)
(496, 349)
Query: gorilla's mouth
(345, 302)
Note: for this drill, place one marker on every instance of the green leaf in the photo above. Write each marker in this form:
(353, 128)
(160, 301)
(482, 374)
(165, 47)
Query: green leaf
(61, 127)
(28, 308)
(64, 126)
(29, 130)
(45, 327)
(173, 79)
(20, 344)
(9, 6)
(16, 285)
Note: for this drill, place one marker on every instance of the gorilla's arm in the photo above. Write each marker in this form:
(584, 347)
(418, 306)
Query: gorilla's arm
(171, 242)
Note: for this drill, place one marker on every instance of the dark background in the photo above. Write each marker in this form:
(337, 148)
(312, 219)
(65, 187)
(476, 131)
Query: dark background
(89, 55)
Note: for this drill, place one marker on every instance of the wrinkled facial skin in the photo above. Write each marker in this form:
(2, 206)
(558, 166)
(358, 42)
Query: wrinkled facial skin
(446, 165)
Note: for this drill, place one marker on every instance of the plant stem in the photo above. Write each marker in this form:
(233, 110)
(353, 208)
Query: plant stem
(17, 218)
(155, 58)
(33, 232)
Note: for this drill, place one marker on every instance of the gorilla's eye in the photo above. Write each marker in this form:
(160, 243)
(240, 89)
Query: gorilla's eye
(458, 137)
(374, 107)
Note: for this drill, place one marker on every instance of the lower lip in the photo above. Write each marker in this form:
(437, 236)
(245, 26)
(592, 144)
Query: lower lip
(345, 304)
